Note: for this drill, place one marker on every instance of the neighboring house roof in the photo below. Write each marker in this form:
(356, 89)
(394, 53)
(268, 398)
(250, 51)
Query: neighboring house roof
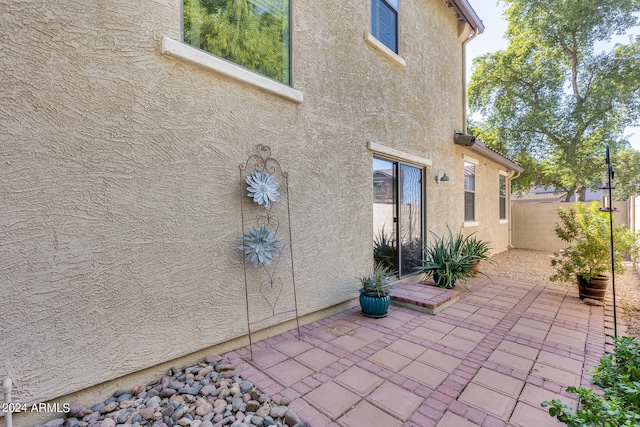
(467, 14)
(521, 196)
(540, 194)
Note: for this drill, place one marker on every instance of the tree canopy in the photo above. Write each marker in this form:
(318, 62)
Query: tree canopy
(626, 167)
(554, 99)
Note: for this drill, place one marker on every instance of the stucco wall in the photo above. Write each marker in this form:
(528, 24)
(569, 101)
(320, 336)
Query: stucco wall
(634, 218)
(120, 213)
(533, 224)
(487, 209)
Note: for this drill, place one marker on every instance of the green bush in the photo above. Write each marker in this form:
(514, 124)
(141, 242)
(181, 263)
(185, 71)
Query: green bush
(618, 375)
(587, 231)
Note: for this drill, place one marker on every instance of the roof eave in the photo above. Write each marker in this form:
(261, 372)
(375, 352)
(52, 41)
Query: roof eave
(466, 12)
(480, 148)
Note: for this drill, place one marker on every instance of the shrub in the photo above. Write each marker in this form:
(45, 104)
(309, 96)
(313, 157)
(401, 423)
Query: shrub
(587, 231)
(618, 375)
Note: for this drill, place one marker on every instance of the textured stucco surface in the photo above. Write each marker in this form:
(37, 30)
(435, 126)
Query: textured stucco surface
(120, 210)
(487, 207)
(534, 224)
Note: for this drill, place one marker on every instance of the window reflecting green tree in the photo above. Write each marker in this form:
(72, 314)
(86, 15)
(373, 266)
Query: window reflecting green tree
(251, 33)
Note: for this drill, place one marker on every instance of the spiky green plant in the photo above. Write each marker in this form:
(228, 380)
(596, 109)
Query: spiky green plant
(450, 259)
(384, 249)
(377, 282)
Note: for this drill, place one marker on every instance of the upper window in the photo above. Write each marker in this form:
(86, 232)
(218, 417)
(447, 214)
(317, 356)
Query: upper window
(503, 196)
(469, 191)
(250, 33)
(384, 22)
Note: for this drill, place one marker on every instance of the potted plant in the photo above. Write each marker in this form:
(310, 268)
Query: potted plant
(450, 259)
(588, 257)
(480, 249)
(375, 288)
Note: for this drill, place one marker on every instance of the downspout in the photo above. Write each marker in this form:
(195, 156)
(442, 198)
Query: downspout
(6, 391)
(513, 175)
(464, 78)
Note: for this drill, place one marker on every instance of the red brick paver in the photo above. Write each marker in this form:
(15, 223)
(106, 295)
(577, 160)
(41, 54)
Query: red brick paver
(487, 359)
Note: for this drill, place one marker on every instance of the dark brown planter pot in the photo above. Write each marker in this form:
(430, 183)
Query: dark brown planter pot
(596, 288)
(476, 268)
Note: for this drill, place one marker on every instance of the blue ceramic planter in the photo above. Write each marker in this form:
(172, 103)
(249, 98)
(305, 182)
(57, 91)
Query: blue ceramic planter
(374, 306)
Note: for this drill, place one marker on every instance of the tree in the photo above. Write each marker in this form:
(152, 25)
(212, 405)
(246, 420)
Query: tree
(626, 167)
(551, 100)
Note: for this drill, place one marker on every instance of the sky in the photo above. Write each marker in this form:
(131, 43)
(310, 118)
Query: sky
(492, 40)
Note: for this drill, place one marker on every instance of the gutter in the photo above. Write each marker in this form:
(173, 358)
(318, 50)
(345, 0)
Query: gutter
(512, 175)
(464, 78)
(466, 12)
(489, 153)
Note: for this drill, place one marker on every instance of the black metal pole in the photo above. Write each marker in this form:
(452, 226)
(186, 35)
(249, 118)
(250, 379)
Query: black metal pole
(613, 266)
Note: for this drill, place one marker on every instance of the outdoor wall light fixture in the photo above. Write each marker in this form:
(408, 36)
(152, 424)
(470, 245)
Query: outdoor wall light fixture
(444, 176)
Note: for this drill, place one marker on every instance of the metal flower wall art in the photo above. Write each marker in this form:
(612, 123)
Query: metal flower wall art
(263, 188)
(260, 245)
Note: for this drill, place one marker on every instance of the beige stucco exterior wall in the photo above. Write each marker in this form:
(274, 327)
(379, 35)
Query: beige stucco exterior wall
(120, 213)
(533, 224)
(487, 225)
(634, 218)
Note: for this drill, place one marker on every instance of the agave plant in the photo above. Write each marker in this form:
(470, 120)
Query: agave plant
(260, 245)
(377, 282)
(450, 259)
(263, 188)
(384, 249)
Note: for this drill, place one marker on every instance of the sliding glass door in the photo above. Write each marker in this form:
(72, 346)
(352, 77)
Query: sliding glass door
(397, 214)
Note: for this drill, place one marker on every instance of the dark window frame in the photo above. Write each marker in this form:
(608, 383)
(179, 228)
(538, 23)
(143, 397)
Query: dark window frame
(469, 193)
(502, 195)
(384, 5)
(397, 199)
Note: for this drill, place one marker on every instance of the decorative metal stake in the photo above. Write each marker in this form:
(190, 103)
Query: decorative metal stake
(263, 189)
(611, 209)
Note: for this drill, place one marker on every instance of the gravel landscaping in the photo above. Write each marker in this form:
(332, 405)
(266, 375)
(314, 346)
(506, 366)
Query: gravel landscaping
(535, 267)
(203, 394)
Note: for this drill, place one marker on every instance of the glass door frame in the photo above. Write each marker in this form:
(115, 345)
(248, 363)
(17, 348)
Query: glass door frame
(398, 186)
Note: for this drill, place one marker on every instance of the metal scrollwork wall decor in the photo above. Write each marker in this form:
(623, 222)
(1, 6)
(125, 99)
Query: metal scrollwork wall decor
(266, 246)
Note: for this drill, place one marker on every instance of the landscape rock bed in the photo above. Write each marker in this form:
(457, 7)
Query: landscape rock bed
(202, 394)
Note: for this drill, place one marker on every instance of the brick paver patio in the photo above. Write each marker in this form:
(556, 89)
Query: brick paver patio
(487, 359)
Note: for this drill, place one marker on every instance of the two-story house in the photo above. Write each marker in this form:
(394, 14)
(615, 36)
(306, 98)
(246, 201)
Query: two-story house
(122, 135)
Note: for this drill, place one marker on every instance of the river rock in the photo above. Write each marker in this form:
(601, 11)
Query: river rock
(58, 422)
(74, 409)
(253, 406)
(206, 370)
(154, 402)
(168, 392)
(245, 386)
(109, 408)
(278, 411)
(291, 418)
(147, 413)
(108, 423)
(204, 409)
